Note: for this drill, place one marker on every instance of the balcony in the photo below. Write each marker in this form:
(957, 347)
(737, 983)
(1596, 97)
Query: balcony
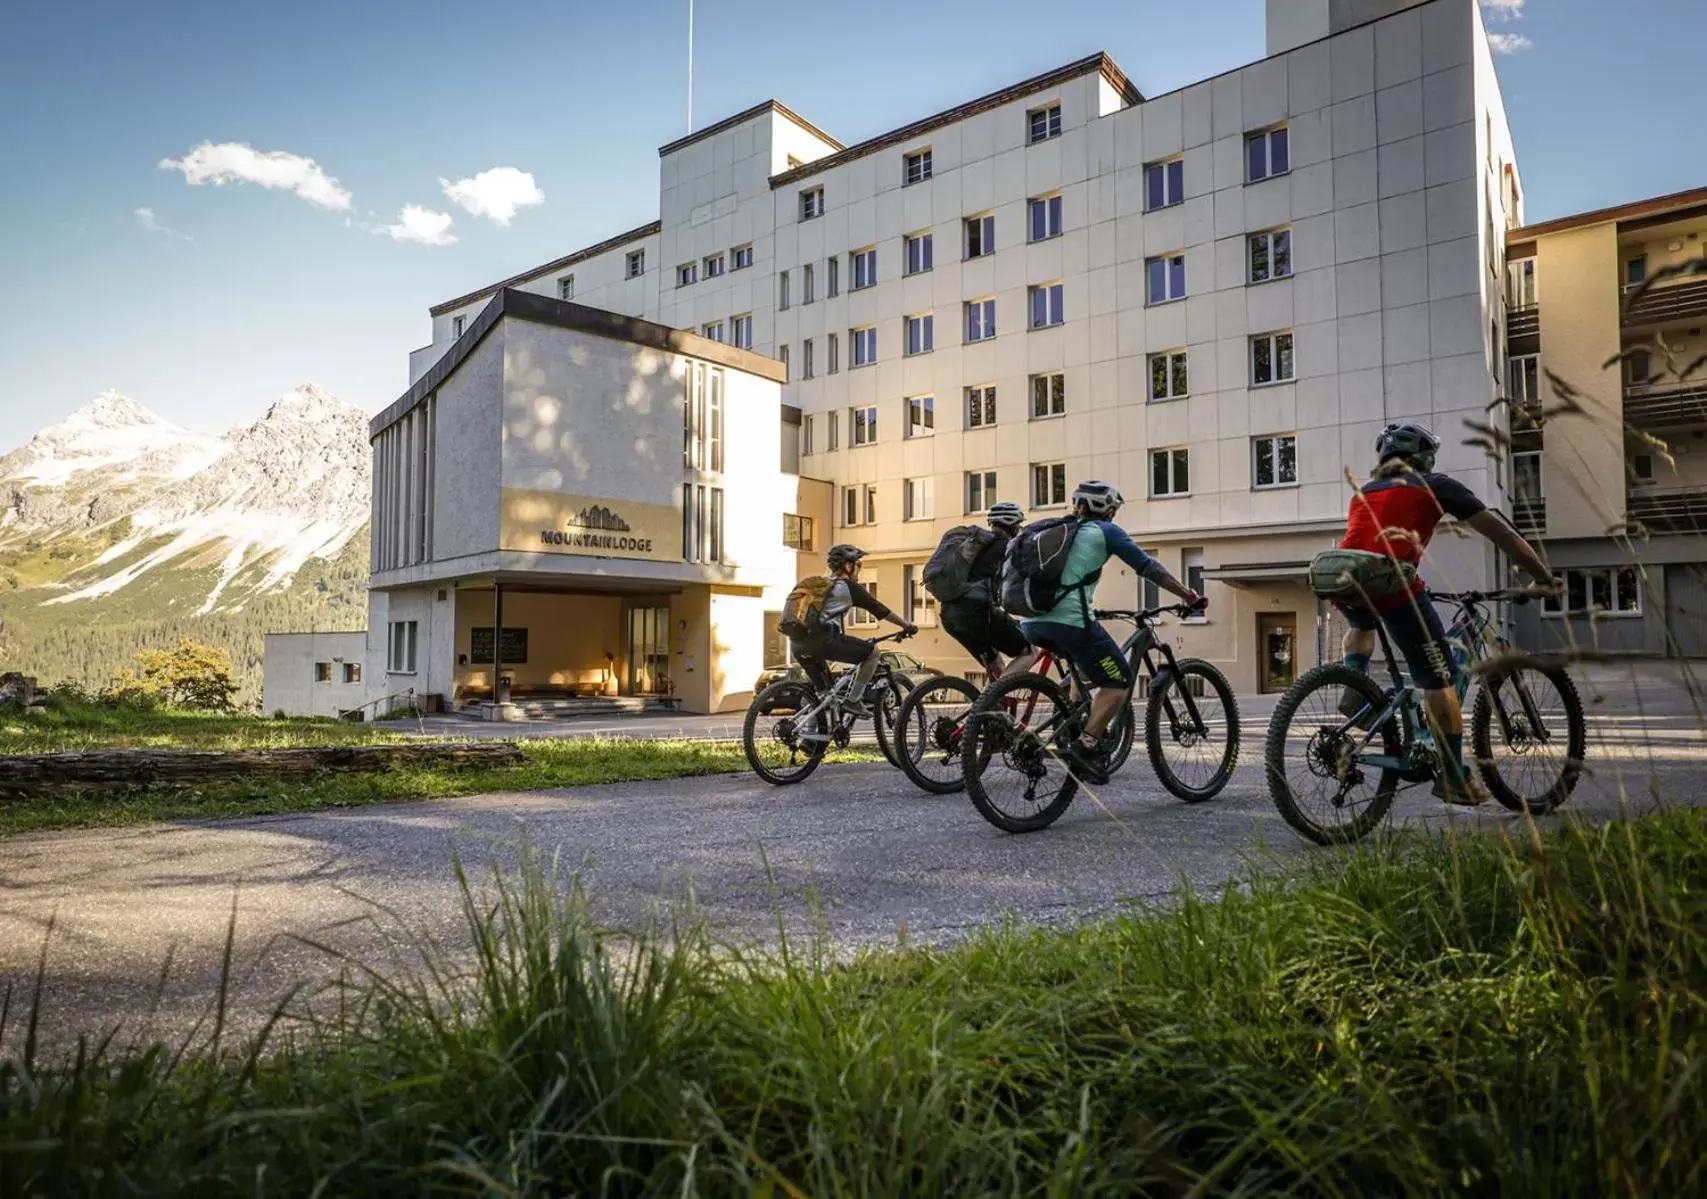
(1529, 515)
(1523, 330)
(1664, 303)
(1670, 509)
(1666, 405)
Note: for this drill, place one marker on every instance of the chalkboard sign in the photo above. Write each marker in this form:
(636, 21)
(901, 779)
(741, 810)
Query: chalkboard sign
(515, 646)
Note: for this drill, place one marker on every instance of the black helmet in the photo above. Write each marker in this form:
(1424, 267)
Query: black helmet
(843, 555)
(1099, 498)
(1409, 442)
(1005, 515)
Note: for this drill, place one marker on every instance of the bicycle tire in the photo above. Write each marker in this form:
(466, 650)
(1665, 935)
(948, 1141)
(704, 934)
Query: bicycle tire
(1154, 716)
(1274, 758)
(1481, 736)
(886, 711)
(988, 721)
(910, 760)
(785, 694)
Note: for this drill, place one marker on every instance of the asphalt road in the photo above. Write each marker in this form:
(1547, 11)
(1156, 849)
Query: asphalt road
(855, 849)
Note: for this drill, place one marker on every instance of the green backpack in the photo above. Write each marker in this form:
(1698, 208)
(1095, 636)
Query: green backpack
(1358, 576)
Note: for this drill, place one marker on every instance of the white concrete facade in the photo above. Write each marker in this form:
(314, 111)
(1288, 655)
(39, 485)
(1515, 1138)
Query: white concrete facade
(1393, 206)
(313, 674)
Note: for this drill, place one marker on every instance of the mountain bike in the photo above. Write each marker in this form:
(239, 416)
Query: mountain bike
(1022, 726)
(931, 727)
(1340, 744)
(791, 724)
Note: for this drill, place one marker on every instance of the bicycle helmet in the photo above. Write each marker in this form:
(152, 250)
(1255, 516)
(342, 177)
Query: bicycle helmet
(1100, 499)
(1410, 443)
(843, 555)
(1006, 515)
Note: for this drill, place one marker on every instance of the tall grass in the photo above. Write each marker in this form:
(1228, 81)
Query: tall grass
(1503, 1017)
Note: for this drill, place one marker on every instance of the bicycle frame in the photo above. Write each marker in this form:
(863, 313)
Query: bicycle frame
(838, 689)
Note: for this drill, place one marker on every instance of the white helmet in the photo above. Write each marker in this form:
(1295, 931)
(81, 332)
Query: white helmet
(1006, 515)
(1099, 498)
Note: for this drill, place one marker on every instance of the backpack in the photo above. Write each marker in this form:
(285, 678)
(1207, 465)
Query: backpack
(1358, 576)
(802, 610)
(948, 575)
(1031, 572)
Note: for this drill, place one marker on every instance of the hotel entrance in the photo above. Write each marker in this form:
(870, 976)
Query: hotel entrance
(649, 651)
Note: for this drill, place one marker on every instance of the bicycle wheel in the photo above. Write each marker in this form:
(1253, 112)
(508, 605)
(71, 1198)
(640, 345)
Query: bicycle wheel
(1014, 773)
(1542, 738)
(1312, 777)
(930, 731)
(886, 713)
(1194, 759)
(771, 734)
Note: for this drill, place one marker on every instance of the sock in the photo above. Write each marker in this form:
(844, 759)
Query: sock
(862, 676)
(1358, 662)
(1453, 752)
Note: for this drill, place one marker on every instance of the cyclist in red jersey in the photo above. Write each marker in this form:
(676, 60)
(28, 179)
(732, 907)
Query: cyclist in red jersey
(1396, 512)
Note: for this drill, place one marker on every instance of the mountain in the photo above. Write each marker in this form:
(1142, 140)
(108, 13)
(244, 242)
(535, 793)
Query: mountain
(121, 530)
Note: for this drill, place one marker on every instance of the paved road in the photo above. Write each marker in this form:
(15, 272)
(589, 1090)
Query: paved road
(874, 858)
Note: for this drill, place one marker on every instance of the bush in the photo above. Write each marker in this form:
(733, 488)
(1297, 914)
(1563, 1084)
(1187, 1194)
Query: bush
(193, 676)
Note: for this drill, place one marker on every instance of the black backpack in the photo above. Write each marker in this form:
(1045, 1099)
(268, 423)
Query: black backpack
(1031, 573)
(948, 575)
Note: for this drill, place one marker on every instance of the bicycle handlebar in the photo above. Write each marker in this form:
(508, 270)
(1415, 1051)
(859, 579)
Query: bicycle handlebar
(1505, 595)
(1146, 615)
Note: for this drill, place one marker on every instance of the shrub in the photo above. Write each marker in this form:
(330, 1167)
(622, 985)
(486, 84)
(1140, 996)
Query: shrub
(191, 676)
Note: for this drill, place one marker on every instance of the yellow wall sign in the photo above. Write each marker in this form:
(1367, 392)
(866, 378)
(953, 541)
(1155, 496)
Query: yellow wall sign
(552, 523)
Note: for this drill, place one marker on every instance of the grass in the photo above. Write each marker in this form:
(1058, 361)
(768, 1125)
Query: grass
(1465, 1014)
(69, 724)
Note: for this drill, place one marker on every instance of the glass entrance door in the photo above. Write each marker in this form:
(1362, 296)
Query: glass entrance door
(1277, 638)
(648, 651)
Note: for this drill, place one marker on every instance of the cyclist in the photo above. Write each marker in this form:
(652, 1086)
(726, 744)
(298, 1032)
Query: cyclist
(1068, 628)
(975, 618)
(826, 641)
(1395, 513)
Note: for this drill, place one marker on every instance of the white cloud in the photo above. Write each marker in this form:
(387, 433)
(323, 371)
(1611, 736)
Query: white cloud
(422, 226)
(1508, 43)
(495, 194)
(1505, 10)
(146, 218)
(230, 162)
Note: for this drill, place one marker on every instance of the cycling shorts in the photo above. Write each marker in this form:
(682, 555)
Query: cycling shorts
(984, 629)
(1087, 647)
(1417, 633)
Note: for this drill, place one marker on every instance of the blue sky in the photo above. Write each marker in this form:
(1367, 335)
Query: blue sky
(240, 292)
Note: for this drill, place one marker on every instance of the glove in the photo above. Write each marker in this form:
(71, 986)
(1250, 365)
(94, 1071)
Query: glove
(910, 629)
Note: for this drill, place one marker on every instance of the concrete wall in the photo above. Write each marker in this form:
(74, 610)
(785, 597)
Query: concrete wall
(287, 672)
(466, 453)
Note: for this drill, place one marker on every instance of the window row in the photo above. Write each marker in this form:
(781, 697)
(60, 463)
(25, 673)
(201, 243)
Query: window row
(710, 267)
(352, 672)
(702, 523)
(1616, 590)
(738, 331)
(918, 414)
(702, 418)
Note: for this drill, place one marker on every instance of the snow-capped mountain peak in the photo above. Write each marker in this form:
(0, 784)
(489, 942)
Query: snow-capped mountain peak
(110, 431)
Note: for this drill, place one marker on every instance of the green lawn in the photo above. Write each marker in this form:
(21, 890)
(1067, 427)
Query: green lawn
(68, 725)
(1463, 1014)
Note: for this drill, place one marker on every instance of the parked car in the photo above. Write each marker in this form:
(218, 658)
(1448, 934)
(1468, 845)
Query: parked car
(905, 665)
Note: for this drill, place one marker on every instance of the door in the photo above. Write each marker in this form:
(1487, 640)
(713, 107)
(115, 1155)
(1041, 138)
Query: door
(1686, 610)
(1277, 641)
(648, 651)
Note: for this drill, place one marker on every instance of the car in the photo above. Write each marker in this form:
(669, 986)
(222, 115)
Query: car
(904, 665)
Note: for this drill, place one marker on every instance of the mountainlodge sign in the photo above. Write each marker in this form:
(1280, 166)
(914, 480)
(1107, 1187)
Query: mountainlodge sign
(548, 522)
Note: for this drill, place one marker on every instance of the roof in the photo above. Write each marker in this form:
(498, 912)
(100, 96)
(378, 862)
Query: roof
(741, 118)
(1099, 62)
(1634, 210)
(611, 243)
(563, 314)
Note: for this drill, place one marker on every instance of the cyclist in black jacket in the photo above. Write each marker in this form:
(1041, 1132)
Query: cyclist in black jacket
(828, 642)
(975, 618)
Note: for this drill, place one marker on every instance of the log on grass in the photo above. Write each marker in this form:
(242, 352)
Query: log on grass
(134, 769)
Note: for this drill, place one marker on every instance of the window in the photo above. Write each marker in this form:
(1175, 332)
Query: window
(1048, 484)
(1270, 255)
(833, 431)
(980, 235)
(1192, 561)
(850, 506)
(919, 252)
(1164, 279)
(782, 357)
(832, 359)
(921, 416)
(322, 672)
(1170, 473)
(806, 358)
(636, 263)
(1044, 217)
(915, 167)
(980, 490)
(862, 268)
(1638, 367)
(807, 287)
(921, 604)
(797, 532)
(716, 525)
(1642, 466)
(871, 506)
(457, 325)
(1046, 305)
(806, 434)
(1614, 590)
(916, 498)
(1636, 269)
(743, 256)
(832, 277)
(713, 330)
(862, 425)
(741, 331)
(1266, 154)
(1526, 477)
(702, 418)
(400, 650)
(713, 265)
(702, 514)
(862, 346)
(1274, 461)
(1048, 395)
(811, 203)
(1168, 379)
(1149, 595)
(1520, 283)
(980, 407)
(1523, 381)
(1043, 123)
(352, 672)
(980, 320)
(859, 618)
(920, 334)
(566, 288)
(1164, 184)
(1271, 358)
(782, 290)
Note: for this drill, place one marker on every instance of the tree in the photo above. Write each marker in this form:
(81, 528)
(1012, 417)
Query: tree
(192, 675)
